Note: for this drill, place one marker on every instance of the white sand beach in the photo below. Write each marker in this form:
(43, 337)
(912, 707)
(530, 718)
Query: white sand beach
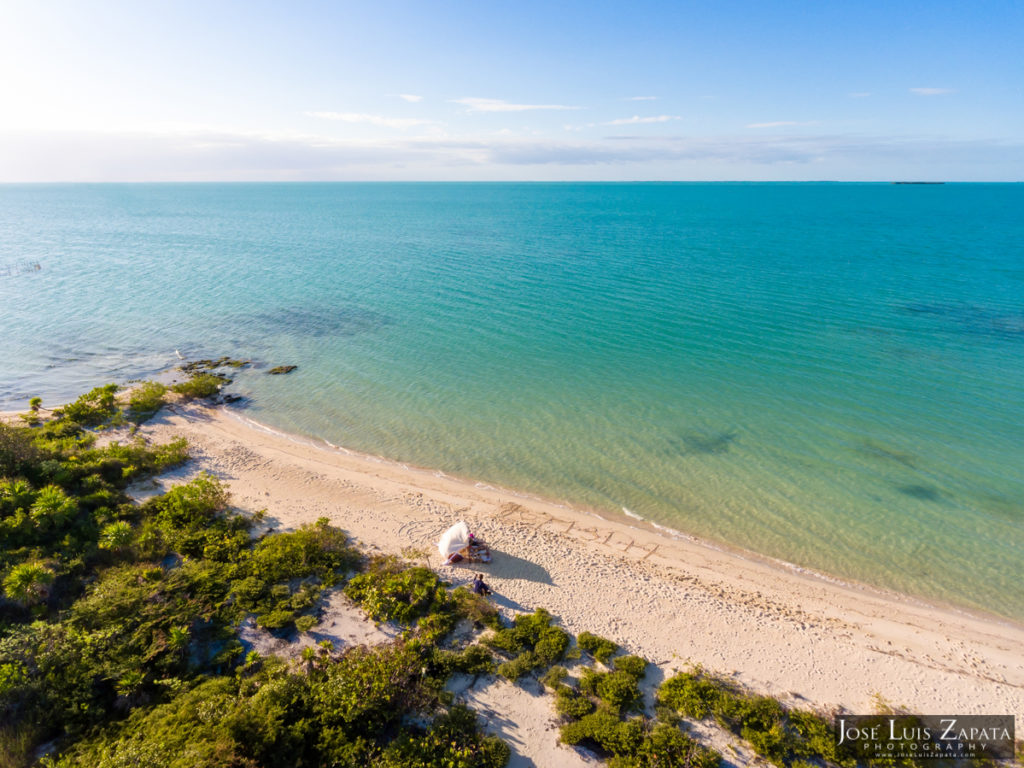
(805, 638)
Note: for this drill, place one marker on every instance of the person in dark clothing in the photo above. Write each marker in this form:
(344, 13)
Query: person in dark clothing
(479, 587)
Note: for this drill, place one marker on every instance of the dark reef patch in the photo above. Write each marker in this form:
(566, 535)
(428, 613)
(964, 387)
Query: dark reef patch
(971, 319)
(921, 492)
(703, 444)
(344, 321)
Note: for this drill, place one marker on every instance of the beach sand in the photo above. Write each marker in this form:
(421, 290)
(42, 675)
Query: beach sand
(808, 639)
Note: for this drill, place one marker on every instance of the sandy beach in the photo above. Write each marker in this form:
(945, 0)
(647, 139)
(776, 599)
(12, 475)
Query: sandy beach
(808, 639)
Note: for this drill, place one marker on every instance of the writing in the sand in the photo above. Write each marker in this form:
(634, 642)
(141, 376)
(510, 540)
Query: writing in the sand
(617, 540)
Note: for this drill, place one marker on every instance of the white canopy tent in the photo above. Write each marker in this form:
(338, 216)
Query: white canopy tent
(454, 539)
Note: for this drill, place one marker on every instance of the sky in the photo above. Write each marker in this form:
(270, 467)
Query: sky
(485, 91)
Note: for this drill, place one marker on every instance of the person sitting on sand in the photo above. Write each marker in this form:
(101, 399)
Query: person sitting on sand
(479, 587)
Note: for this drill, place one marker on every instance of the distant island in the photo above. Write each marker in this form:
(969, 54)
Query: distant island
(919, 182)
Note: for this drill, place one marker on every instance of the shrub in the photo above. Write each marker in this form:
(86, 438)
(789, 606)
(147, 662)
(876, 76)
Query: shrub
(551, 645)
(146, 400)
(666, 747)
(554, 677)
(474, 660)
(519, 666)
(571, 704)
(757, 713)
(531, 636)
(772, 743)
(52, 508)
(28, 583)
(606, 731)
(201, 386)
(476, 608)
(598, 647)
(452, 740)
(633, 665)
(93, 408)
(116, 536)
(17, 451)
(388, 591)
(618, 689)
(691, 694)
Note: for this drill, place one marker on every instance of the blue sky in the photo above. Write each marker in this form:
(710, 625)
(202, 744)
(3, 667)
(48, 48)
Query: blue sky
(394, 90)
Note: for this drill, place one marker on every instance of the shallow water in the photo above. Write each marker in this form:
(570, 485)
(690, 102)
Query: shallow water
(831, 374)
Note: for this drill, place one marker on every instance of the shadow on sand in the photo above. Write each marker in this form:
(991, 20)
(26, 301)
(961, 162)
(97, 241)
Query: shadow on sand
(506, 566)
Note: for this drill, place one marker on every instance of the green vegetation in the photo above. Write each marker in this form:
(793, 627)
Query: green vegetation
(531, 642)
(390, 591)
(118, 623)
(595, 714)
(784, 737)
(596, 646)
(145, 400)
(200, 386)
(204, 377)
(93, 408)
(119, 634)
(280, 369)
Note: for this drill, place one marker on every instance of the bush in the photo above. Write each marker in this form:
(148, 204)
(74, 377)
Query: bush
(476, 608)
(551, 645)
(617, 689)
(605, 730)
(198, 387)
(474, 660)
(598, 647)
(388, 591)
(552, 680)
(452, 740)
(757, 713)
(116, 536)
(28, 583)
(692, 695)
(633, 665)
(17, 451)
(146, 400)
(531, 637)
(666, 747)
(93, 408)
(519, 666)
(571, 704)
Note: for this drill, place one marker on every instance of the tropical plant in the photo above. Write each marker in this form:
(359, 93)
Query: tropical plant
(28, 583)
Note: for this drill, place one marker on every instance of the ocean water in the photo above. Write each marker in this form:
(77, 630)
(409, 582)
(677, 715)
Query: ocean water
(829, 374)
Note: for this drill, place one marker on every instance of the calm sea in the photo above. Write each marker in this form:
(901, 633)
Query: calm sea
(830, 374)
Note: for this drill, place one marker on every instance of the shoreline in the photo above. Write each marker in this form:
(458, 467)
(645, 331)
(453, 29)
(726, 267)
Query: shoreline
(777, 628)
(631, 520)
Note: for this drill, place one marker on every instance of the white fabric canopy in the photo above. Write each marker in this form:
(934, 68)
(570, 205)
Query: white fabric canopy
(454, 539)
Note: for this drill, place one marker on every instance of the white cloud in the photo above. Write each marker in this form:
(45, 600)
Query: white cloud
(410, 97)
(931, 91)
(780, 124)
(499, 105)
(641, 98)
(379, 120)
(637, 120)
(232, 156)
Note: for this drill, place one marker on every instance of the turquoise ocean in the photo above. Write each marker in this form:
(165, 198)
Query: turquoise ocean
(828, 374)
